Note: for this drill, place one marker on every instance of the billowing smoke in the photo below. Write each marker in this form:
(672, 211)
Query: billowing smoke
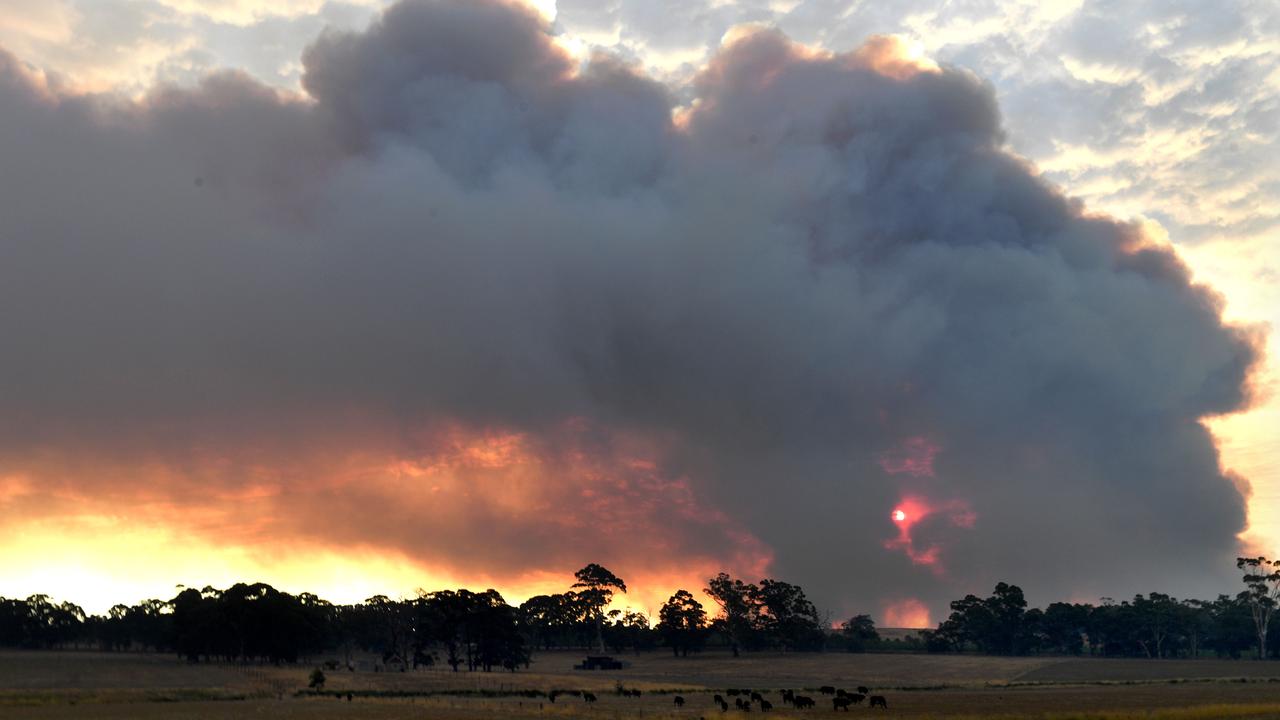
(474, 303)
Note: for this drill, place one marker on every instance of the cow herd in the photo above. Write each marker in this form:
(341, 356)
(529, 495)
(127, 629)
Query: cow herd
(746, 699)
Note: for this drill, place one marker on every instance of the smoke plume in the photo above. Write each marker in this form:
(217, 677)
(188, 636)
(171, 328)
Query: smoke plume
(473, 301)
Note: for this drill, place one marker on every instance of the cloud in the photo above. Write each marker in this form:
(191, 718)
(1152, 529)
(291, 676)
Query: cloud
(130, 45)
(474, 304)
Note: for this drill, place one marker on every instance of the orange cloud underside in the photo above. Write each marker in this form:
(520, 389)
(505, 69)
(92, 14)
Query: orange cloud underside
(465, 507)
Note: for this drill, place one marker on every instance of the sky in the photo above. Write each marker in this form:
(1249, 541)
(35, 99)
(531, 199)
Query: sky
(893, 300)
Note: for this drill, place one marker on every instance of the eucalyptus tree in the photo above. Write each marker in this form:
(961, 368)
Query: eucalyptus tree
(595, 585)
(1262, 591)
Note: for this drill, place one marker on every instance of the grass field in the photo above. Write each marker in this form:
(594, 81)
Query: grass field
(108, 686)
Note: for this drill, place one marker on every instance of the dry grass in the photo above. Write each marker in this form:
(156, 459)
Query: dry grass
(94, 685)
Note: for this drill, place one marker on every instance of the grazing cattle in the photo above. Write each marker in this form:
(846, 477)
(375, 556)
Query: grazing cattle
(724, 706)
(717, 699)
(863, 689)
(756, 697)
(803, 701)
(679, 701)
(879, 701)
(348, 697)
(857, 698)
(788, 696)
(765, 706)
(827, 690)
(739, 703)
(840, 703)
(589, 697)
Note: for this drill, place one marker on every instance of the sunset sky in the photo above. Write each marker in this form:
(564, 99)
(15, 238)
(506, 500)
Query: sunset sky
(892, 300)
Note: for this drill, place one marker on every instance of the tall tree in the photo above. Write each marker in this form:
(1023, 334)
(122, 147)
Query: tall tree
(996, 625)
(395, 619)
(682, 622)
(739, 608)
(1262, 583)
(596, 585)
(1157, 616)
(788, 620)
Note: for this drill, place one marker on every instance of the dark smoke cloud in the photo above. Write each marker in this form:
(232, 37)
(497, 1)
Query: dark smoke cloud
(707, 327)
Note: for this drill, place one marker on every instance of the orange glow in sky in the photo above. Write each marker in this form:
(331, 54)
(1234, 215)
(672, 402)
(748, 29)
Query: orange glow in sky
(905, 613)
(298, 527)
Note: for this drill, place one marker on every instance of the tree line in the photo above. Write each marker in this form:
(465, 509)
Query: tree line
(1154, 625)
(460, 629)
(480, 631)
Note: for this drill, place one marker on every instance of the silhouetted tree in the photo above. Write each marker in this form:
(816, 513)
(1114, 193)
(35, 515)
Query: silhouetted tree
(996, 625)
(596, 585)
(1262, 592)
(1195, 621)
(557, 620)
(682, 623)
(628, 629)
(858, 632)
(1062, 627)
(739, 609)
(787, 618)
(1156, 617)
(395, 619)
(1232, 630)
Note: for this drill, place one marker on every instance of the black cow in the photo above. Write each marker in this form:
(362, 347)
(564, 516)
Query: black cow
(679, 701)
(827, 690)
(879, 701)
(857, 698)
(803, 701)
(740, 703)
(765, 706)
(589, 697)
(788, 696)
(756, 697)
(840, 703)
(863, 689)
(724, 706)
(841, 692)
(717, 699)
